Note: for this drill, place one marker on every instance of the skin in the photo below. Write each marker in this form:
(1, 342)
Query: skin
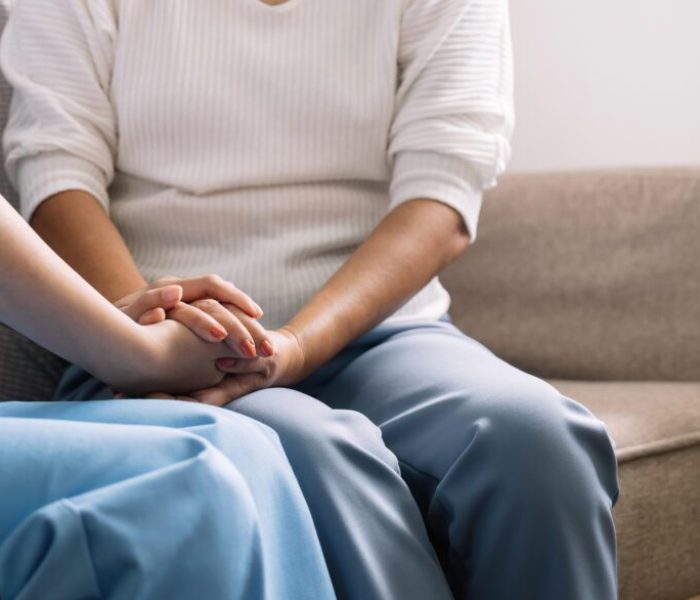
(76, 226)
(43, 298)
(413, 243)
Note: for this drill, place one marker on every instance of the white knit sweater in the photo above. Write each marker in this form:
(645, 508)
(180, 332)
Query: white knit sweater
(259, 142)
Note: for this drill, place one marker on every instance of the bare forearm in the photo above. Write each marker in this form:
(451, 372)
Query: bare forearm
(79, 231)
(47, 301)
(411, 245)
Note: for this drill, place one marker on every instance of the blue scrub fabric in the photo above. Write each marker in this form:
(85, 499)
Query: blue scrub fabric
(513, 481)
(143, 499)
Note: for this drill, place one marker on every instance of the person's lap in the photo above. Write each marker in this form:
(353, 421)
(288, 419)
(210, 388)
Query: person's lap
(486, 447)
(497, 460)
(136, 498)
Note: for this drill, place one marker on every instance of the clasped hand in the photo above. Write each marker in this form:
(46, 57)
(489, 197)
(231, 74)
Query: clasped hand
(217, 311)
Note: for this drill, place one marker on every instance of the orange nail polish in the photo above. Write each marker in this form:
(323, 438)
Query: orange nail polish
(248, 348)
(267, 349)
(218, 332)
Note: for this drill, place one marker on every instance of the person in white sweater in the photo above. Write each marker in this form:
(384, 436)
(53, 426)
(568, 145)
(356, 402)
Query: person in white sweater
(329, 158)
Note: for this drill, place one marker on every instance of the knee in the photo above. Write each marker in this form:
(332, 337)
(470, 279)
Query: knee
(201, 469)
(541, 443)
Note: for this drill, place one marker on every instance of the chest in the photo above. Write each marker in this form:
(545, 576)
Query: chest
(229, 65)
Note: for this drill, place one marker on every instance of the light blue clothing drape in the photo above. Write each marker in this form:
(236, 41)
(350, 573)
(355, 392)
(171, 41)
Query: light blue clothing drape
(143, 499)
(510, 481)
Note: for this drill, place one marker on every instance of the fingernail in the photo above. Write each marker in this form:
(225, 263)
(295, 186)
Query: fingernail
(258, 312)
(226, 363)
(218, 332)
(266, 348)
(170, 294)
(248, 347)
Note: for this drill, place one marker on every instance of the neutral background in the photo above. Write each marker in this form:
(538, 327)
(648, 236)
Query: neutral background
(606, 83)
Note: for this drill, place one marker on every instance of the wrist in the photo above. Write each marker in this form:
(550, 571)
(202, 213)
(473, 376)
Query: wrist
(299, 366)
(135, 356)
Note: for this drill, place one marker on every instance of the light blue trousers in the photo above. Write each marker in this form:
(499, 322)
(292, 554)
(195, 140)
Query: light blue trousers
(458, 452)
(140, 499)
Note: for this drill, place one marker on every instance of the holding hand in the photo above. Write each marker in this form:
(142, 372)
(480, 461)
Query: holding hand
(285, 367)
(211, 307)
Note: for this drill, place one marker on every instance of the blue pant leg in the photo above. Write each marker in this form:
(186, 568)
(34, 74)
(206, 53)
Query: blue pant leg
(288, 547)
(516, 480)
(372, 533)
(98, 510)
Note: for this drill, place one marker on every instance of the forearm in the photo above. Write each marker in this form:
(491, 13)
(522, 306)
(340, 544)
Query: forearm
(406, 250)
(77, 228)
(47, 301)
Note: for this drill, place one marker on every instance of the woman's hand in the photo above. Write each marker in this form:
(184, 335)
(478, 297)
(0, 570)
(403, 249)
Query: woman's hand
(214, 309)
(285, 367)
(166, 357)
(148, 306)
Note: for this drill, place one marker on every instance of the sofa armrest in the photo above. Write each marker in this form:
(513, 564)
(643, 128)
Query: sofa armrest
(587, 275)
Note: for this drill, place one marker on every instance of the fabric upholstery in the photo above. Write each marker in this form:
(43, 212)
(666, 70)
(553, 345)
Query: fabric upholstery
(588, 275)
(656, 426)
(27, 371)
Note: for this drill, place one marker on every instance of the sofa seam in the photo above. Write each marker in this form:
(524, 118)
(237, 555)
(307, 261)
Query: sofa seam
(658, 447)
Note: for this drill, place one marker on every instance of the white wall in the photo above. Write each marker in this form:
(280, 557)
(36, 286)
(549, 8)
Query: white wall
(605, 83)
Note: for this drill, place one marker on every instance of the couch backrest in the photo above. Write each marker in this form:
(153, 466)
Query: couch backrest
(587, 275)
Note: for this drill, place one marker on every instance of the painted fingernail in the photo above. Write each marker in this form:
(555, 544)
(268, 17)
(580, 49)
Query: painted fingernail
(266, 348)
(248, 348)
(226, 363)
(218, 332)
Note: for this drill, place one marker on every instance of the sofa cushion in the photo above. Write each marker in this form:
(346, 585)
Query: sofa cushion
(656, 426)
(587, 275)
(27, 371)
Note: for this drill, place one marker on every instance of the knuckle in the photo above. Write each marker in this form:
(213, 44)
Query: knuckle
(206, 304)
(213, 279)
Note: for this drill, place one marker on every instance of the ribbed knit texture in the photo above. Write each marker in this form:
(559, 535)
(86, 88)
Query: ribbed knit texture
(262, 143)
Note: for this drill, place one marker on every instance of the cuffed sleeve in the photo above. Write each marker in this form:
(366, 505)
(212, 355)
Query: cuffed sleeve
(49, 173)
(61, 132)
(453, 117)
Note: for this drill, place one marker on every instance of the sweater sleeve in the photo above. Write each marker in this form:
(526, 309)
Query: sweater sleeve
(61, 132)
(453, 115)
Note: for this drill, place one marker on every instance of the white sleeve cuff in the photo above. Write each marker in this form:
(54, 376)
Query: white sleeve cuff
(435, 176)
(42, 175)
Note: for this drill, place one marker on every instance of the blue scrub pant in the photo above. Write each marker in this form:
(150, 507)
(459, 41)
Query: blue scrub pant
(141, 499)
(458, 451)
